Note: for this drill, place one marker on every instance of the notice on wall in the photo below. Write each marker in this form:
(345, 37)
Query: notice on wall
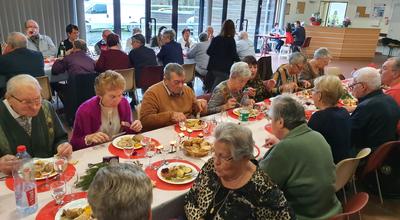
(379, 10)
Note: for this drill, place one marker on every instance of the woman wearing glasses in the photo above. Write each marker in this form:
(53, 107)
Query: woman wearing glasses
(286, 76)
(106, 114)
(315, 67)
(231, 186)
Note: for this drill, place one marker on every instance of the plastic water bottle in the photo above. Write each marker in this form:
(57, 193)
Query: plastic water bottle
(244, 102)
(24, 183)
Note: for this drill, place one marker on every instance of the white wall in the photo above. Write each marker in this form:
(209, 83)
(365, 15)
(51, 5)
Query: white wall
(312, 6)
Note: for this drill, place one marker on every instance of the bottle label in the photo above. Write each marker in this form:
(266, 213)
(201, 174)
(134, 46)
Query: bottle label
(31, 197)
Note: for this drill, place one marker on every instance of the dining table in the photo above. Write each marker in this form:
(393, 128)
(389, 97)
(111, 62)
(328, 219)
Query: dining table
(265, 48)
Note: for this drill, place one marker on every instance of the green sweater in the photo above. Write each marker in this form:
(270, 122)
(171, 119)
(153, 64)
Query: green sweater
(47, 133)
(302, 166)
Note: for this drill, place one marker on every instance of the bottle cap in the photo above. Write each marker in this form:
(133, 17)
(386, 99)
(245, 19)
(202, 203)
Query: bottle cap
(21, 148)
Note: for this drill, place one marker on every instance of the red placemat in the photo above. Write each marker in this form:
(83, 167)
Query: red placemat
(41, 184)
(260, 116)
(139, 152)
(268, 127)
(50, 210)
(267, 101)
(193, 134)
(166, 186)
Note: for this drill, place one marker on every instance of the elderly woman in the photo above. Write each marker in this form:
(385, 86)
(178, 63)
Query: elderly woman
(171, 51)
(121, 191)
(286, 76)
(228, 94)
(106, 114)
(231, 186)
(331, 121)
(315, 66)
(113, 58)
(301, 162)
(262, 88)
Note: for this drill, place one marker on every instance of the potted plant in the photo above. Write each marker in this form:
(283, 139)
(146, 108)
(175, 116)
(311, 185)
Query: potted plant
(346, 22)
(315, 19)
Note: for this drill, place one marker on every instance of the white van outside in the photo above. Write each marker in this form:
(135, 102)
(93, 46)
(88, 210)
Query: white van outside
(99, 14)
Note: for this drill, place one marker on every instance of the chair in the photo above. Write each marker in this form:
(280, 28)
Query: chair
(129, 76)
(376, 160)
(149, 76)
(355, 205)
(189, 73)
(285, 51)
(306, 44)
(346, 169)
(44, 82)
(264, 67)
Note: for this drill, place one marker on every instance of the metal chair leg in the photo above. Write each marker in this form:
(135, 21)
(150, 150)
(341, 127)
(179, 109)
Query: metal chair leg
(353, 179)
(344, 195)
(379, 186)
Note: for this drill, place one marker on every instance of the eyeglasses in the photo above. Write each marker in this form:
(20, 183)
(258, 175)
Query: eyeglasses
(351, 86)
(219, 157)
(36, 101)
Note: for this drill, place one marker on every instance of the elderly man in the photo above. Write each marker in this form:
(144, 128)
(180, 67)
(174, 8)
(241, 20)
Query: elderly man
(244, 46)
(199, 54)
(141, 56)
(374, 120)
(171, 51)
(76, 62)
(116, 189)
(185, 41)
(27, 119)
(391, 77)
(169, 101)
(299, 35)
(72, 35)
(300, 162)
(102, 44)
(210, 33)
(315, 67)
(38, 42)
(18, 59)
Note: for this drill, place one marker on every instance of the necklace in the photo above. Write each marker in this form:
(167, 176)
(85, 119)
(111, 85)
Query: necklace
(220, 203)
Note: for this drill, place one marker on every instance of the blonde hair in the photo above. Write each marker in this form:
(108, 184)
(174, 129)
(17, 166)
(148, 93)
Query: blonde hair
(330, 87)
(109, 80)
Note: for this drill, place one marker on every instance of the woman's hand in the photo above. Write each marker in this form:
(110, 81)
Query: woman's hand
(136, 126)
(306, 84)
(64, 149)
(231, 103)
(7, 163)
(269, 84)
(97, 138)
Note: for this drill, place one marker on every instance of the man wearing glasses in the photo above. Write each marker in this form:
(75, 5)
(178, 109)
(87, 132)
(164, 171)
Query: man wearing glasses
(170, 101)
(374, 120)
(28, 120)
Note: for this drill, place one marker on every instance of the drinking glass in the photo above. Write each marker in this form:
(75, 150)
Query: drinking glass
(60, 164)
(58, 191)
(165, 150)
(128, 151)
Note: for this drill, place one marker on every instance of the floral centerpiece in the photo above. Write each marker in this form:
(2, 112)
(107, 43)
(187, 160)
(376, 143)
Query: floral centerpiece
(315, 19)
(346, 22)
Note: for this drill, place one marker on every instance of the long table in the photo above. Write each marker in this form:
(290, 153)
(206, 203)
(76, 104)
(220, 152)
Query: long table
(166, 204)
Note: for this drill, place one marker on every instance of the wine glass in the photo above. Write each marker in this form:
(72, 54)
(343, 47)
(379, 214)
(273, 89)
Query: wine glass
(128, 151)
(58, 191)
(60, 164)
(165, 150)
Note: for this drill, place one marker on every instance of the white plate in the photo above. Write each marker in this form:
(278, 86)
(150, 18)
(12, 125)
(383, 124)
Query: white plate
(255, 112)
(116, 140)
(79, 203)
(204, 125)
(194, 171)
(47, 160)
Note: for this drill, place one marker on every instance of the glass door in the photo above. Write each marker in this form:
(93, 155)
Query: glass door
(131, 13)
(188, 17)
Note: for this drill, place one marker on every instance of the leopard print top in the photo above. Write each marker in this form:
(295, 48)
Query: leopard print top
(260, 198)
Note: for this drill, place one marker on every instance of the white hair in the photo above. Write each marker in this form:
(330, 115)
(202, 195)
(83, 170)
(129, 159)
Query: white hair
(370, 76)
(243, 35)
(19, 81)
(240, 69)
(322, 53)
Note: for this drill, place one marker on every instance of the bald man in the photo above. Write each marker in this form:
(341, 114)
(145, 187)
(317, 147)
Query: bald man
(244, 46)
(38, 42)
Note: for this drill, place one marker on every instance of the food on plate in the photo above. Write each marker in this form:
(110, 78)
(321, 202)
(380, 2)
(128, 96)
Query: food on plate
(197, 147)
(194, 124)
(77, 213)
(129, 141)
(178, 173)
(43, 168)
(253, 112)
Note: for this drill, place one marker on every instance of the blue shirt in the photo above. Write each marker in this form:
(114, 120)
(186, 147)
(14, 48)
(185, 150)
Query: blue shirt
(171, 53)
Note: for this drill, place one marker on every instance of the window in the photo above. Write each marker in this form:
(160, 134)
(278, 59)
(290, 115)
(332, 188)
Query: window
(332, 13)
(97, 18)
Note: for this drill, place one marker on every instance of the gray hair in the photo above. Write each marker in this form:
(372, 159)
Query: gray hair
(396, 64)
(240, 69)
(203, 37)
(239, 139)
(170, 33)
(121, 191)
(173, 68)
(243, 35)
(80, 44)
(136, 30)
(19, 81)
(289, 109)
(297, 58)
(370, 76)
(322, 53)
(17, 40)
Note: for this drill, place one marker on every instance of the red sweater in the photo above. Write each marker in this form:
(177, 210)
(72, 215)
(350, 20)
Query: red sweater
(289, 38)
(112, 60)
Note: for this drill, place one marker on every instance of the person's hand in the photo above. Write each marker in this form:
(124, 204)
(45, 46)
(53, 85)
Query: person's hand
(271, 140)
(201, 105)
(64, 149)
(178, 116)
(231, 103)
(97, 138)
(7, 163)
(270, 84)
(136, 126)
(251, 91)
(306, 84)
(251, 103)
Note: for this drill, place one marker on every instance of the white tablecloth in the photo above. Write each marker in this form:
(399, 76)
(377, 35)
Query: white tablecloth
(164, 202)
(54, 78)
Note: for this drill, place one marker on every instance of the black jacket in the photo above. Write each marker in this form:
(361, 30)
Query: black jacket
(223, 54)
(141, 57)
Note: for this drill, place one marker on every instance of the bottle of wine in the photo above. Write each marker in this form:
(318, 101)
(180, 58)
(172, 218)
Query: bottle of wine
(62, 50)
